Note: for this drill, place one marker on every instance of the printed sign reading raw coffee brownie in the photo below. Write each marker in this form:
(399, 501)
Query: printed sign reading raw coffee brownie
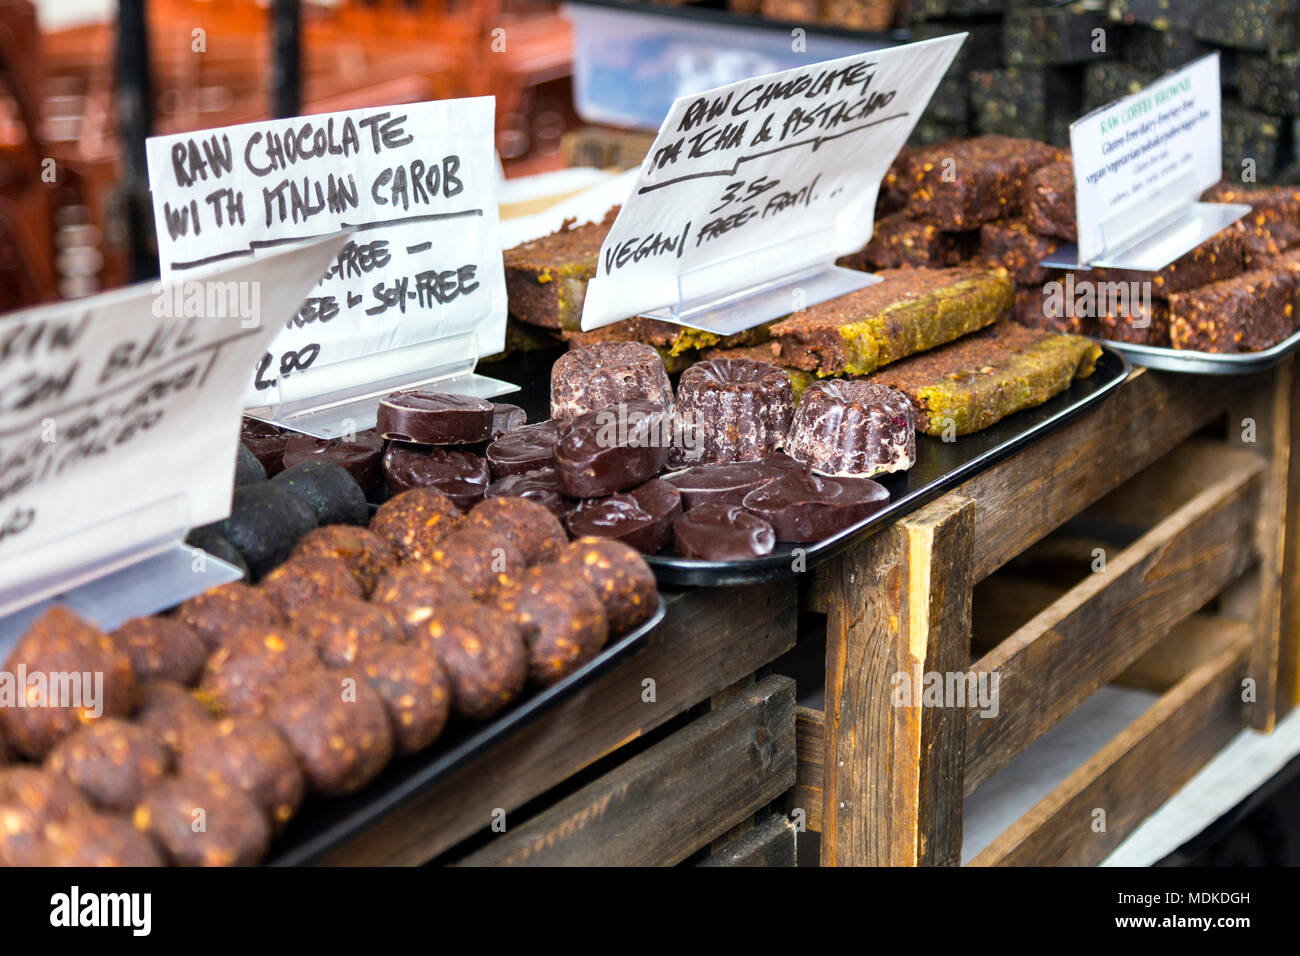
(761, 179)
(417, 182)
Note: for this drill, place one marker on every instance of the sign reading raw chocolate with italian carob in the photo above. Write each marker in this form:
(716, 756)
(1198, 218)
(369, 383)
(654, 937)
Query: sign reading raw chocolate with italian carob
(763, 178)
(416, 183)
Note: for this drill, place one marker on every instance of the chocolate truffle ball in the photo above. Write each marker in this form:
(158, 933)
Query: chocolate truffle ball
(414, 591)
(620, 577)
(561, 618)
(337, 727)
(161, 648)
(249, 755)
(341, 627)
(225, 610)
(59, 644)
(31, 800)
(415, 690)
(111, 762)
(305, 580)
(478, 559)
(171, 713)
(234, 831)
(251, 666)
(98, 839)
(366, 555)
(527, 525)
(483, 654)
(415, 521)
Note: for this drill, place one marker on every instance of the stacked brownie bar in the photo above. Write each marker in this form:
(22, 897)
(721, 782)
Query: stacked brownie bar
(546, 278)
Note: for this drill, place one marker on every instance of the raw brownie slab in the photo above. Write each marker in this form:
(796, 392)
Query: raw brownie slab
(546, 278)
(1246, 313)
(1272, 225)
(1222, 256)
(1049, 201)
(899, 240)
(1013, 246)
(959, 185)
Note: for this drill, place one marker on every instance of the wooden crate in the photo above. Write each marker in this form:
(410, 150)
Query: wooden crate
(666, 803)
(1215, 522)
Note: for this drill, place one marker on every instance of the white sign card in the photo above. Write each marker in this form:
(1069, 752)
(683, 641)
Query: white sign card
(417, 185)
(761, 178)
(1141, 163)
(120, 413)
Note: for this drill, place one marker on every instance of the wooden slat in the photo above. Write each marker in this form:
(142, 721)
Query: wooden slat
(1103, 624)
(769, 843)
(898, 604)
(810, 742)
(710, 639)
(663, 805)
(1137, 771)
(1188, 645)
(1034, 491)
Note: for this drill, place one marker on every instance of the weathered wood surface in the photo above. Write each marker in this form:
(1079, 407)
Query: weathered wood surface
(770, 842)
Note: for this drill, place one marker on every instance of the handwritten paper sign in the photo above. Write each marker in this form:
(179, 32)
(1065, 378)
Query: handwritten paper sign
(1144, 156)
(119, 414)
(763, 178)
(416, 182)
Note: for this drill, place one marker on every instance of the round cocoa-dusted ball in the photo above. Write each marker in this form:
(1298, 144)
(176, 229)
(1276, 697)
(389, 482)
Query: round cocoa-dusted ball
(111, 762)
(248, 754)
(302, 581)
(99, 681)
(619, 576)
(531, 528)
(31, 799)
(336, 725)
(415, 690)
(366, 554)
(561, 618)
(483, 654)
(415, 521)
(161, 648)
(340, 628)
(234, 831)
(225, 610)
(172, 713)
(251, 665)
(478, 559)
(414, 591)
(98, 839)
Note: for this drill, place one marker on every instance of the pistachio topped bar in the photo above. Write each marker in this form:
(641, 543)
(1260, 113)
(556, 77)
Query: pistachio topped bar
(546, 278)
(908, 311)
(970, 384)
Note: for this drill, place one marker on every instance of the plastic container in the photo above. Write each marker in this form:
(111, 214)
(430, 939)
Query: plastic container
(629, 65)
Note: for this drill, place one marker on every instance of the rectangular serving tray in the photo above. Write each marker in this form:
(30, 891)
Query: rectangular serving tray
(1205, 363)
(940, 466)
(322, 825)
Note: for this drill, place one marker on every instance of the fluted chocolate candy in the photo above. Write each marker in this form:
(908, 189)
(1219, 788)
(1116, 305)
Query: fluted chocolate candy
(588, 379)
(460, 475)
(359, 455)
(525, 449)
(807, 507)
(613, 449)
(434, 418)
(642, 518)
(731, 410)
(718, 532)
(853, 429)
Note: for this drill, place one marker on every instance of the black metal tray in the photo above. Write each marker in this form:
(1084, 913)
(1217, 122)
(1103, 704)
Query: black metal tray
(322, 825)
(939, 467)
(1205, 363)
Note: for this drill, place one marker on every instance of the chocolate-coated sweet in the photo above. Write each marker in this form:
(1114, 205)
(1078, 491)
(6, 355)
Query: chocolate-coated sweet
(460, 475)
(266, 442)
(853, 429)
(807, 507)
(589, 379)
(525, 449)
(506, 419)
(731, 410)
(541, 485)
(434, 418)
(717, 532)
(642, 518)
(722, 482)
(360, 455)
(613, 449)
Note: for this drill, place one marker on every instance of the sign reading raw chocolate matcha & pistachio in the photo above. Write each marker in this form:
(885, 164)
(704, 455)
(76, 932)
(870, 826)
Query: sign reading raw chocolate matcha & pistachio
(420, 283)
(753, 184)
